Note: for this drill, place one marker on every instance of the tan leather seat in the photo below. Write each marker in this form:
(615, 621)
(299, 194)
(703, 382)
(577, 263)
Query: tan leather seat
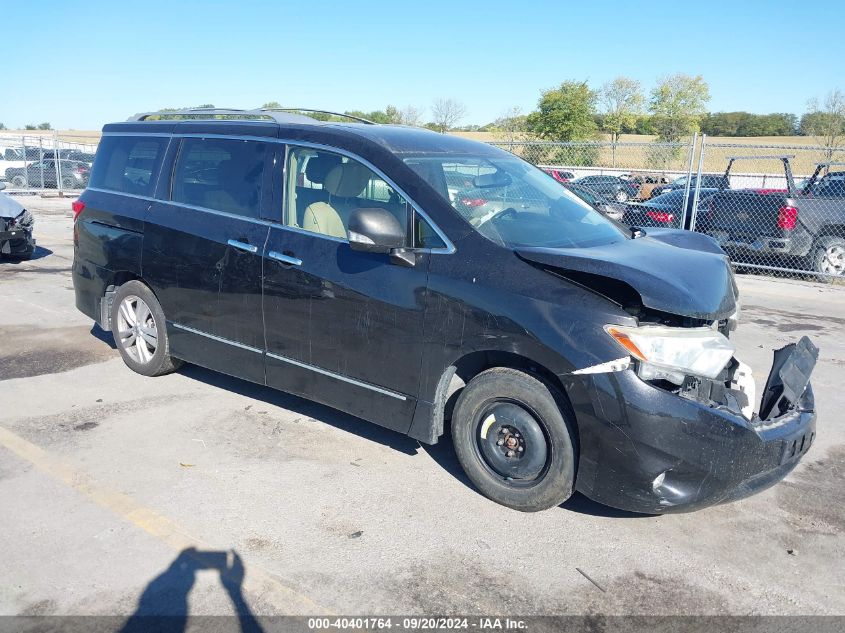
(346, 180)
(222, 199)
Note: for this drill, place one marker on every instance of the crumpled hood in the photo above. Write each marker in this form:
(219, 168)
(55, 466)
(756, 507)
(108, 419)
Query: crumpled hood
(680, 272)
(9, 208)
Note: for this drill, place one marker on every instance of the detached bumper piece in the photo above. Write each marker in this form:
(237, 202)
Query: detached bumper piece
(789, 377)
(647, 449)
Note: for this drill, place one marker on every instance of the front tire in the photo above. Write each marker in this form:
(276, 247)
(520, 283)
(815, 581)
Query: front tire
(622, 196)
(513, 437)
(140, 331)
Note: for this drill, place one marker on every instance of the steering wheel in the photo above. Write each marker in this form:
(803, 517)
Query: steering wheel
(503, 213)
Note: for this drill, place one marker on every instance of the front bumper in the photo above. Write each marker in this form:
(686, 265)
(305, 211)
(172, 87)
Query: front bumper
(16, 241)
(645, 449)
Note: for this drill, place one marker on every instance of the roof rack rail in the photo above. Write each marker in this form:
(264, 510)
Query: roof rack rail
(830, 164)
(199, 113)
(279, 115)
(343, 114)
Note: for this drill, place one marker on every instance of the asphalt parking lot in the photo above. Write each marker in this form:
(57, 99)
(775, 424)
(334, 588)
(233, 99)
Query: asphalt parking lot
(107, 476)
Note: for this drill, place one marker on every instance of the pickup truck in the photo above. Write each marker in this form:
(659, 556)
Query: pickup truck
(802, 228)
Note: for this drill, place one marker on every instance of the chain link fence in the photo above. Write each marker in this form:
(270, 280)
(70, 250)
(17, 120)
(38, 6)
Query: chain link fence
(45, 161)
(781, 209)
(775, 209)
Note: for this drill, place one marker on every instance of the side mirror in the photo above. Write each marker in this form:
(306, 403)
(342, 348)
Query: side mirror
(374, 230)
(496, 179)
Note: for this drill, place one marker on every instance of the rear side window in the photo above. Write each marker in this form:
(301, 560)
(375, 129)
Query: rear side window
(220, 174)
(128, 164)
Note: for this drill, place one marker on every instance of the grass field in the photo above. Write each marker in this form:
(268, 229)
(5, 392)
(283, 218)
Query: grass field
(632, 153)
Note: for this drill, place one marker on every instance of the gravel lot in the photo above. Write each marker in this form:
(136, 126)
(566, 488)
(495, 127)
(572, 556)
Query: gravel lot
(106, 476)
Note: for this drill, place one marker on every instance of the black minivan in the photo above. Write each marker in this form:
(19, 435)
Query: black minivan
(342, 262)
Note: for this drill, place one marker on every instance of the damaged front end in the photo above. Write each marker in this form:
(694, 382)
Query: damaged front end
(667, 423)
(16, 224)
(650, 445)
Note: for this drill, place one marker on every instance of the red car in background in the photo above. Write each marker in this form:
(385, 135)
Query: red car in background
(560, 175)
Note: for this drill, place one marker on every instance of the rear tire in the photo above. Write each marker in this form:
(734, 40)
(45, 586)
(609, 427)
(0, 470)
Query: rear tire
(19, 182)
(513, 435)
(622, 196)
(829, 257)
(140, 331)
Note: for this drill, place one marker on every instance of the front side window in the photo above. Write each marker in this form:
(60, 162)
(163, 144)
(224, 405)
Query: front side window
(515, 204)
(325, 188)
(128, 164)
(220, 174)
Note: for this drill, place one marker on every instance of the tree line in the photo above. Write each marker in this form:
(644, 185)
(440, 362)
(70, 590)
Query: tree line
(674, 108)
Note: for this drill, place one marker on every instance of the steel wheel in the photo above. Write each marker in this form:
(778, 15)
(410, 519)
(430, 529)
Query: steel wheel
(833, 260)
(622, 196)
(511, 442)
(136, 327)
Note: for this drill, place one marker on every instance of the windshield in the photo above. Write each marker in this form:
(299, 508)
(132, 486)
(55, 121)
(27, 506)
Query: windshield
(515, 204)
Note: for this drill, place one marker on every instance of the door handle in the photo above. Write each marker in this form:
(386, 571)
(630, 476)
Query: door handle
(243, 246)
(285, 259)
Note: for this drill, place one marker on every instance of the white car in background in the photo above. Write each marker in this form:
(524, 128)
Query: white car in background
(10, 157)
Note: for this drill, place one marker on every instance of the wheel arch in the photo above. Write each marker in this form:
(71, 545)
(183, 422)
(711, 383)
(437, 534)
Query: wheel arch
(115, 281)
(429, 423)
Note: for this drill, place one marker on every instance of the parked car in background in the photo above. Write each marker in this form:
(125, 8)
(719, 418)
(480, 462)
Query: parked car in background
(667, 209)
(71, 173)
(559, 174)
(10, 158)
(457, 181)
(16, 224)
(613, 210)
(646, 184)
(613, 187)
(803, 229)
(708, 181)
(83, 157)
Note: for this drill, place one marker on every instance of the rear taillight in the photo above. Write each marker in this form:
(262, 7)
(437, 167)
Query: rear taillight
(81, 169)
(787, 217)
(473, 202)
(78, 206)
(661, 216)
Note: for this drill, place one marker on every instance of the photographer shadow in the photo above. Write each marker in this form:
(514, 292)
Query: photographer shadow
(163, 607)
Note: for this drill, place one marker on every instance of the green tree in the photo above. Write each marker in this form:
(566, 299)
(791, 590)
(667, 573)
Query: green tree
(273, 104)
(677, 104)
(622, 101)
(30, 126)
(565, 113)
(44, 126)
(748, 124)
(2, 127)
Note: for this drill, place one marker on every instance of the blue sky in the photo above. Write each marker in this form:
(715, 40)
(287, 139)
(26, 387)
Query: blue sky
(83, 64)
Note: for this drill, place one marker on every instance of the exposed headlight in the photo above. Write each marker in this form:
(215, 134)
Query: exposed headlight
(671, 353)
(24, 219)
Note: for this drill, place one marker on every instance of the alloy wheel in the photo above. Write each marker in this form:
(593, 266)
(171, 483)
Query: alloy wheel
(137, 329)
(833, 260)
